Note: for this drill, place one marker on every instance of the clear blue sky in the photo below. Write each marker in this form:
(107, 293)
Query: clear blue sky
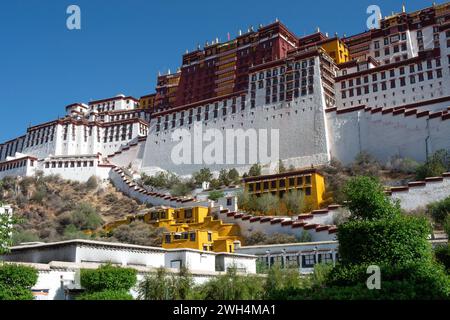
(123, 44)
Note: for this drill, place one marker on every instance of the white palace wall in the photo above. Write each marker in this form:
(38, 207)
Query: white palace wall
(301, 126)
(408, 134)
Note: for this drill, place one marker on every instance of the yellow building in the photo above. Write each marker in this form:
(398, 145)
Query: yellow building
(192, 228)
(147, 102)
(310, 182)
(336, 49)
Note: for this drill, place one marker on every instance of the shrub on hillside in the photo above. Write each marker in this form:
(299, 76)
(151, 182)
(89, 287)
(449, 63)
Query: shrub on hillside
(365, 165)
(435, 166)
(335, 180)
(22, 236)
(138, 233)
(367, 200)
(398, 164)
(260, 238)
(204, 175)
(83, 217)
(440, 210)
(92, 183)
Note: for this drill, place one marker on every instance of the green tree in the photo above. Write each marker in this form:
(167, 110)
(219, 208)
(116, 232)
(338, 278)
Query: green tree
(85, 217)
(183, 284)
(367, 200)
(440, 210)
(233, 176)
(7, 223)
(215, 195)
(157, 286)
(180, 190)
(281, 167)
(16, 282)
(224, 178)
(280, 279)
(232, 286)
(106, 282)
(395, 240)
(295, 202)
(255, 170)
(378, 234)
(204, 175)
(162, 180)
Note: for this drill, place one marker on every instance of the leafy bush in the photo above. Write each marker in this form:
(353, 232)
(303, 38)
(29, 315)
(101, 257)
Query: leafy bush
(295, 202)
(16, 282)
(335, 180)
(180, 190)
(204, 175)
(402, 165)
(260, 238)
(414, 280)
(106, 295)
(365, 165)
(85, 217)
(442, 254)
(435, 166)
(233, 176)
(72, 232)
(447, 226)
(367, 200)
(440, 210)
(108, 277)
(162, 286)
(255, 170)
(396, 240)
(279, 279)
(39, 195)
(92, 183)
(232, 286)
(162, 180)
(138, 233)
(215, 195)
(22, 236)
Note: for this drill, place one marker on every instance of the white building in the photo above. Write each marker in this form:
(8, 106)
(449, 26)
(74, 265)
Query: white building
(81, 144)
(59, 263)
(301, 256)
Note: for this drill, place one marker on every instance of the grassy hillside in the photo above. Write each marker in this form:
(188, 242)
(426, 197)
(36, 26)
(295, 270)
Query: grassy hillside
(53, 209)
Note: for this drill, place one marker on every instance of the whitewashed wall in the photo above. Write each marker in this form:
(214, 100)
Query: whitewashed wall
(301, 125)
(420, 194)
(385, 136)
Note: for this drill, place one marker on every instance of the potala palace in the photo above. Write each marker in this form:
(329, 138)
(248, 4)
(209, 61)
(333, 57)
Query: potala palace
(385, 91)
(273, 96)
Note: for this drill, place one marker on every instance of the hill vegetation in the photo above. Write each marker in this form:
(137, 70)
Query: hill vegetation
(52, 209)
